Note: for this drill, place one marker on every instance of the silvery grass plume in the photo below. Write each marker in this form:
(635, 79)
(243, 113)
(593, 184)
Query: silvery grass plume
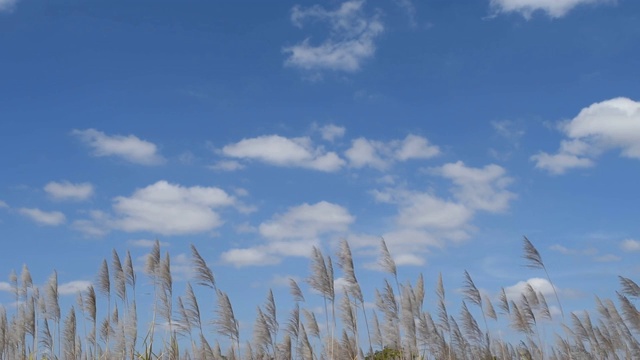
(295, 291)
(204, 275)
(70, 336)
(534, 260)
(53, 306)
(31, 330)
(225, 322)
(104, 287)
(321, 280)
(345, 262)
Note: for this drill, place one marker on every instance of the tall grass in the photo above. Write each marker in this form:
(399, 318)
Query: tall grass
(105, 325)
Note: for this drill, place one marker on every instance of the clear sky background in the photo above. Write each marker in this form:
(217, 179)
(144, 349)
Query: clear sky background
(258, 129)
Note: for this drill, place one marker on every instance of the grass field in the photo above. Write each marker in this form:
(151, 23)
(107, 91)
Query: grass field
(397, 327)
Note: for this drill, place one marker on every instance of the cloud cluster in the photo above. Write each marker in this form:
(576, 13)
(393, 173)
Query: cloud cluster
(553, 8)
(67, 191)
(129, 148)
(607, 125)
(425, 220)
(162, 208)
(282, 151)
(302, 152)
(380, 155)
(293, 233)
(350, 42)
(171, 209)
(48, 218)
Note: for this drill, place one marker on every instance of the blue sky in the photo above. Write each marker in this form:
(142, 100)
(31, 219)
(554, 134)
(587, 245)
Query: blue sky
(256, 130)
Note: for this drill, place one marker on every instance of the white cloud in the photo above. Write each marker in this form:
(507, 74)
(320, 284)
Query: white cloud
(5, 286)
(424, 210)
(226, 165)
(7, 5)
(553, 8)
(51, 218)
(538, 284)
(630, 245)
(331, 132)
(558, 164)
(607, 125)
(73, 287)
(249, 257)
(129, 148)
(293, 233)
(67, 191)
(171, 209)
(350, 42)
(307, 221)
(425, 220)
(145, 243)
(409, 260)
(479, 188)
(3, 205)
(281, 151)
(365, 152)
(416, 147)
(380, 155)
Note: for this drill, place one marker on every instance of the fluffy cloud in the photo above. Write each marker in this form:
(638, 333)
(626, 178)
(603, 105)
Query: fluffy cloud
(629, 245)
(51, 218)
(414, 147)
(307, 221)
(380, 155)
(293, 233)
(68, 191)
(350, 42)
(281, 151)
(479, 188)
(5, 286)
(3, 205)
(538, 284)
(331, 132)
(553, 8)
(424, 210)
(603, 126)
(559, 163)
(365, 152)
(171, 209)
(73, 287)
(7, 5)
(425, 220)
(249, 257)
(129, 148)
